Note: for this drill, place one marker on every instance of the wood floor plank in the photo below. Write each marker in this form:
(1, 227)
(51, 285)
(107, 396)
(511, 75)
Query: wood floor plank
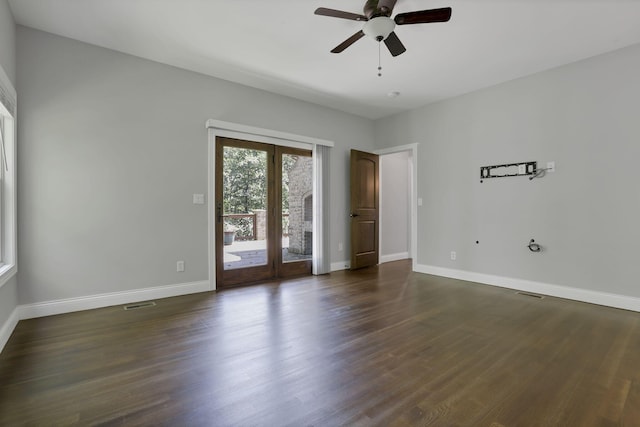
(379, 346)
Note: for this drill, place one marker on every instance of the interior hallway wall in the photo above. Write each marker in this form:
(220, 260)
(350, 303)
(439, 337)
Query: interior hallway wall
(394, 206)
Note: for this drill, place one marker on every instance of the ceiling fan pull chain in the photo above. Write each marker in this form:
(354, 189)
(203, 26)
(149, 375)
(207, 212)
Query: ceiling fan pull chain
(379, 66)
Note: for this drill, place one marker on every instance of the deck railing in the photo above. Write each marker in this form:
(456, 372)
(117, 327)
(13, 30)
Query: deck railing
(246, 225)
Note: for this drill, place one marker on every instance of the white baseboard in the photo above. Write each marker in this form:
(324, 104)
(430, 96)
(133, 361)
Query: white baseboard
(340, 265)
(345, 265)
(7, 329)
(50, 308)
(394, 257)
(576, 294)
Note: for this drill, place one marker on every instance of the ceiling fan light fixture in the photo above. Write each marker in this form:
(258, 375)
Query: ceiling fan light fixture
(379, 27)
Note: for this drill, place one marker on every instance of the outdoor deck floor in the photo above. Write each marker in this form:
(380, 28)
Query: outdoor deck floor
(250, 253)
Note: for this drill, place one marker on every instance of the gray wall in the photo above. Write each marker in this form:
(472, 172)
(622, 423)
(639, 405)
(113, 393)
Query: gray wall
(584, 116)
(8, 291)
(112, 147)
(394, 203)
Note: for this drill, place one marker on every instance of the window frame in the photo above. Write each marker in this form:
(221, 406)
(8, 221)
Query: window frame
(8, 199)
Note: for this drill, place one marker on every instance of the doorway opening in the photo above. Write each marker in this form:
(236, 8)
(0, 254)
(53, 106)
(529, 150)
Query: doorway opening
(398, 203)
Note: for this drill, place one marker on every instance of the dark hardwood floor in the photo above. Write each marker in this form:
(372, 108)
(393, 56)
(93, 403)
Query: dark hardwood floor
(381, 346)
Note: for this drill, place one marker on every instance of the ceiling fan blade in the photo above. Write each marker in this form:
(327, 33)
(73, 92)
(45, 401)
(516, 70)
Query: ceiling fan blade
(348, 42)
(424, 16)
(340, 14)
(387, 6)
(394, 44)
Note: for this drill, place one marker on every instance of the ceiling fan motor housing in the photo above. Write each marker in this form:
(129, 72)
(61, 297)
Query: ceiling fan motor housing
(379, 27)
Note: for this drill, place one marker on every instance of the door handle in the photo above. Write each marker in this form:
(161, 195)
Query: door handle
(353, 215)
(219, 207)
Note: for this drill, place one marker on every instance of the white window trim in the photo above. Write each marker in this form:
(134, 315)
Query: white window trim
(8, 108)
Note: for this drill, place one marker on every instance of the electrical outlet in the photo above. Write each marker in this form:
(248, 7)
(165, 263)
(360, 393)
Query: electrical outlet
(522, 169)
(180, 266)
(551, 166)
(340, 246)
(198, 199)
(419, 201)
(453, 255)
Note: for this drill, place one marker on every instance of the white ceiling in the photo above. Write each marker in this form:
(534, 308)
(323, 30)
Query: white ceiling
(282, 47)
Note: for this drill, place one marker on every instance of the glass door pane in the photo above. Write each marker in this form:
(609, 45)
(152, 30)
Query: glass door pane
(297, 207)
(244, 205)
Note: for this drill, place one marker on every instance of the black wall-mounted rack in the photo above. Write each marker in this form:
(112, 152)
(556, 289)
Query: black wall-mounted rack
(510, 169)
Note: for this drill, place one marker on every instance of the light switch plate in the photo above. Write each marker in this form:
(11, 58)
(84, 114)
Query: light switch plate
(198, 199)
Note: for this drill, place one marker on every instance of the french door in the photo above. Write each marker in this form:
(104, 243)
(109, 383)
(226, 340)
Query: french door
(263, 211)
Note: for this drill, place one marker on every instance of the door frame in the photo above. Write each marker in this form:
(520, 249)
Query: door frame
(412, 149)
(250, 133)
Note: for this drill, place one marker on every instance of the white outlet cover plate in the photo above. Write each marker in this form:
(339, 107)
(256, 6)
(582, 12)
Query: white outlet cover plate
(551, 166)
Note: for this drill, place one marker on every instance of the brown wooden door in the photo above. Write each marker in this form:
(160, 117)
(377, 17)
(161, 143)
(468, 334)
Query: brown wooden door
(260, 190)
(364, 209)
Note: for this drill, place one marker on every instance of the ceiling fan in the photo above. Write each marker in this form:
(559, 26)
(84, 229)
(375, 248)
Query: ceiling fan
(380, 26)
